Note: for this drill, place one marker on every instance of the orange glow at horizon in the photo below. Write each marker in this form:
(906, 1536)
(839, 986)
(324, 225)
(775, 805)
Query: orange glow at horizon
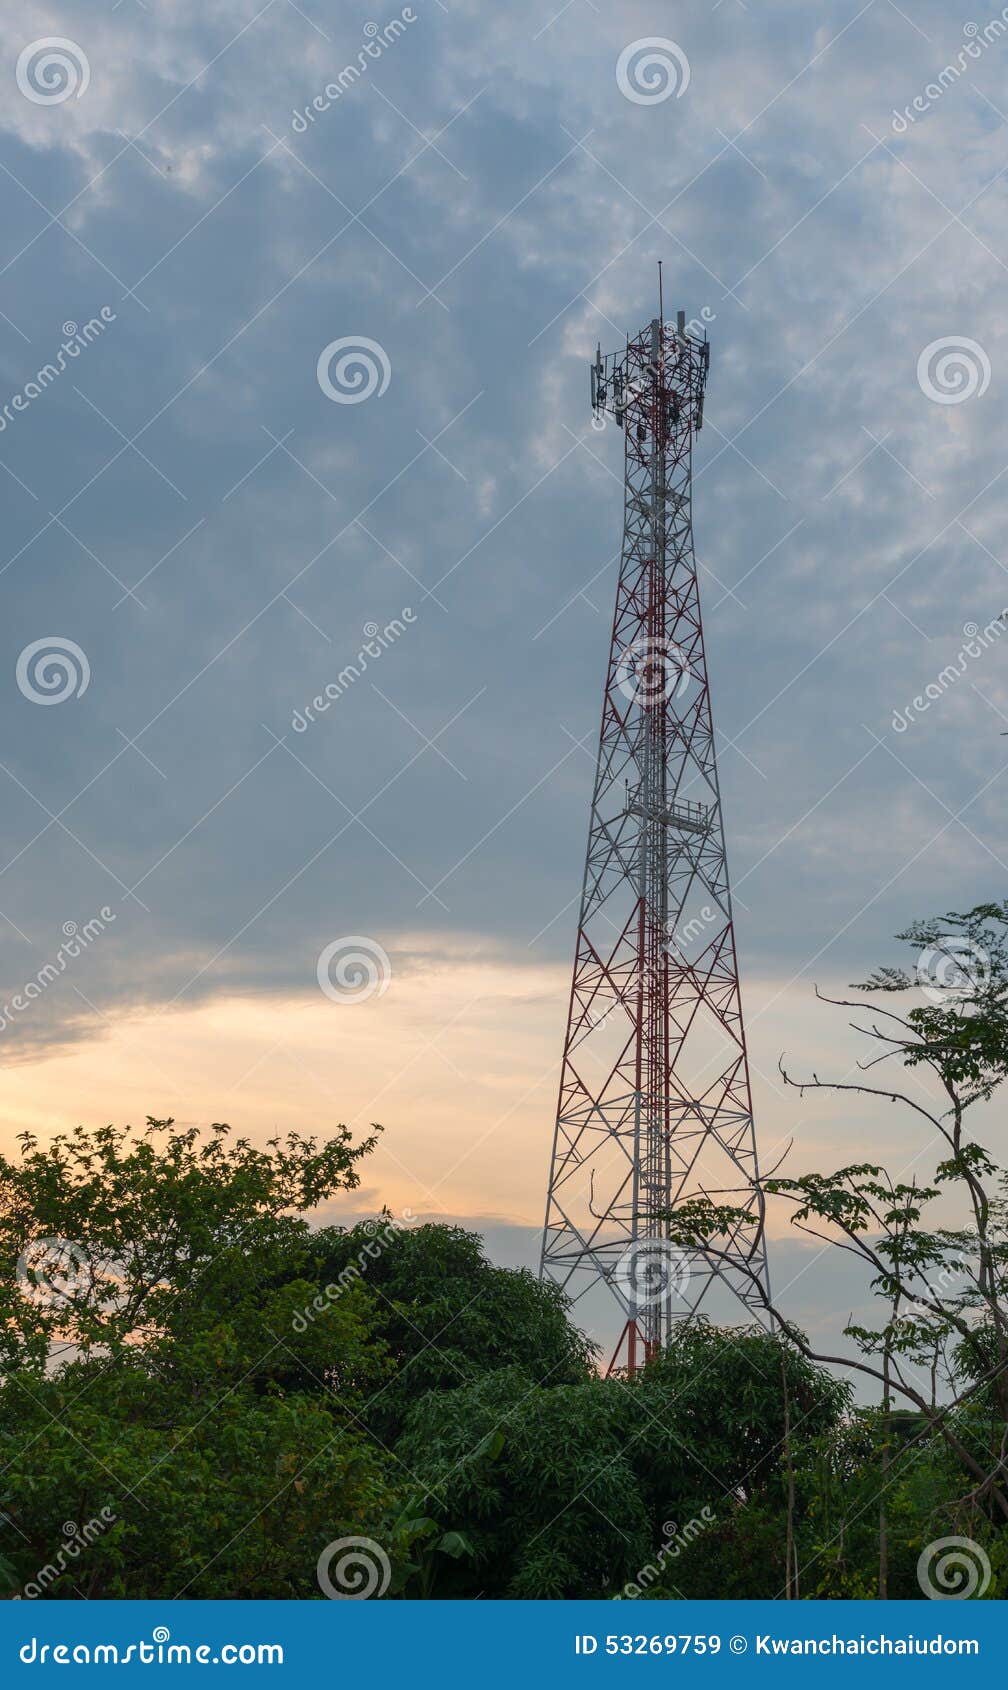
(458, 1059)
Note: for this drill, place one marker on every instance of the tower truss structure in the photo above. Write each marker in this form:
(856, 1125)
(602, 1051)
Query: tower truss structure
(655, 1105)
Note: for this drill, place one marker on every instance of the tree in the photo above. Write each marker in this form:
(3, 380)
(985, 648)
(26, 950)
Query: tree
(714, 1405)
(113, 1238)
(448, 1316)
(538, 1481)
(118, 1484)
(607, 1486)
(941, 1342)
(162, 1393)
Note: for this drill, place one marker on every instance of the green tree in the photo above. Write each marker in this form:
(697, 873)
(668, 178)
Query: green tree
(538, 1481)
(940, 1342)
(448, 1316)
(161, 1392)
(114, 1238)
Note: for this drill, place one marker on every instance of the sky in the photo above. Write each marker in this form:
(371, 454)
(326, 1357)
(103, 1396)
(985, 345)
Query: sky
(209, 508)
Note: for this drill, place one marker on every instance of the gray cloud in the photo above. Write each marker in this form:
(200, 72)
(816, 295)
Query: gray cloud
(847, 526)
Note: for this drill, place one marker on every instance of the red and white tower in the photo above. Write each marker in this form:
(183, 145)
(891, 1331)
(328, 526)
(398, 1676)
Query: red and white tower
(655, 1104)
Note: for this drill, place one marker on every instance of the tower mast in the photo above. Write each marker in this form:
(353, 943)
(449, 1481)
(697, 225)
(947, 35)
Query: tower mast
(655, 1104)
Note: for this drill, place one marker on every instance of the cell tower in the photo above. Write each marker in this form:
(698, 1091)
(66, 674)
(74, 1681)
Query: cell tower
(655, 1104)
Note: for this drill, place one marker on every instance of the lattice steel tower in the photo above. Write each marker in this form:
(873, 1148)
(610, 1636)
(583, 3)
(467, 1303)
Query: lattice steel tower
(655, 1103)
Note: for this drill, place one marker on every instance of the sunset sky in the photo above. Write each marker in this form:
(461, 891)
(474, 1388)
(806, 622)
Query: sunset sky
(209, 539)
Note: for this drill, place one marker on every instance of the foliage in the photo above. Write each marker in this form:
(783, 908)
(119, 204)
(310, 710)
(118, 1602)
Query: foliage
(169, 1383)
(236, 1495)
(113, 1238)
(538, 1480)
(940, 1338)
(713, 1404)
(200, 1393)
(449, 1317)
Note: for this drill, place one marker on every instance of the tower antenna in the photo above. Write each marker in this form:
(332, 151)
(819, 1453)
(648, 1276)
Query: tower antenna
(655, 1105)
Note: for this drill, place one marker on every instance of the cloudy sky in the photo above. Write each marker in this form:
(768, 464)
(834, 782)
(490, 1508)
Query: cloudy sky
(201, 528)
